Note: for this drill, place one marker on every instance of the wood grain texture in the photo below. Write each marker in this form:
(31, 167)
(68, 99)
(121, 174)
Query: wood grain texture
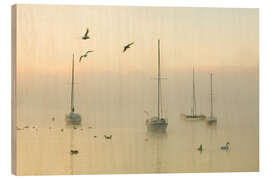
(115, 89)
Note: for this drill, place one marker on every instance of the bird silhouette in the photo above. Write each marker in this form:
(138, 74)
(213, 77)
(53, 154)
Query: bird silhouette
(108, 137)
(85, 55)
(85, 37)
(72, 152)
(200, 148)
(127, 46)
(226, 147)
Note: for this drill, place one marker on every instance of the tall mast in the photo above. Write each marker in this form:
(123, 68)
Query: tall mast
(72, 86)
(158, 80)
(194, 96)
(211, 94)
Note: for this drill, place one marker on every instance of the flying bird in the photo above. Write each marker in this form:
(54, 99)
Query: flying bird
(127, 46)
(85, 55)
(85, 37)
(108, 137)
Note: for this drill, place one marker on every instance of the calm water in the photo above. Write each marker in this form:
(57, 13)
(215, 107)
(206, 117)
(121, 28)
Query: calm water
(114, 105)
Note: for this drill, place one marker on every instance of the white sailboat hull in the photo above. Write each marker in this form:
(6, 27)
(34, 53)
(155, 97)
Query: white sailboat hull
(194, 117)
(73, 119)
(211, 119)
(157, 125)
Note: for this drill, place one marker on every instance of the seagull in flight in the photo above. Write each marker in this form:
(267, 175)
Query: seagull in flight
(85, 55)
(85, 37)
(108, 137)
(127, 46)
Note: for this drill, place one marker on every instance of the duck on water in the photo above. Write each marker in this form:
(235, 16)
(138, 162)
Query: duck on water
(226, 147)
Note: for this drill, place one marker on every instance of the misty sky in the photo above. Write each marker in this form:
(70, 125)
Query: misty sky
(220, 40)
(204, 37)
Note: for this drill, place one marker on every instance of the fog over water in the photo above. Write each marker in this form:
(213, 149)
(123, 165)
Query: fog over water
(113, 89)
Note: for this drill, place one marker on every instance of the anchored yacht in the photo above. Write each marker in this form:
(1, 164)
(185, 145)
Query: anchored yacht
(211, 119)
(194, 116)
(73, 118)
(158, 123)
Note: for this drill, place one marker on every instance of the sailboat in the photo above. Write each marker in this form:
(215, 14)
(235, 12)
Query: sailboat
(211, 118)
(158, 123)
(194, 115)
(73, 118)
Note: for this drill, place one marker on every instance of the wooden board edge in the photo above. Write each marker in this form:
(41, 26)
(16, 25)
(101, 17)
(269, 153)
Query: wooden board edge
(13, 87)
